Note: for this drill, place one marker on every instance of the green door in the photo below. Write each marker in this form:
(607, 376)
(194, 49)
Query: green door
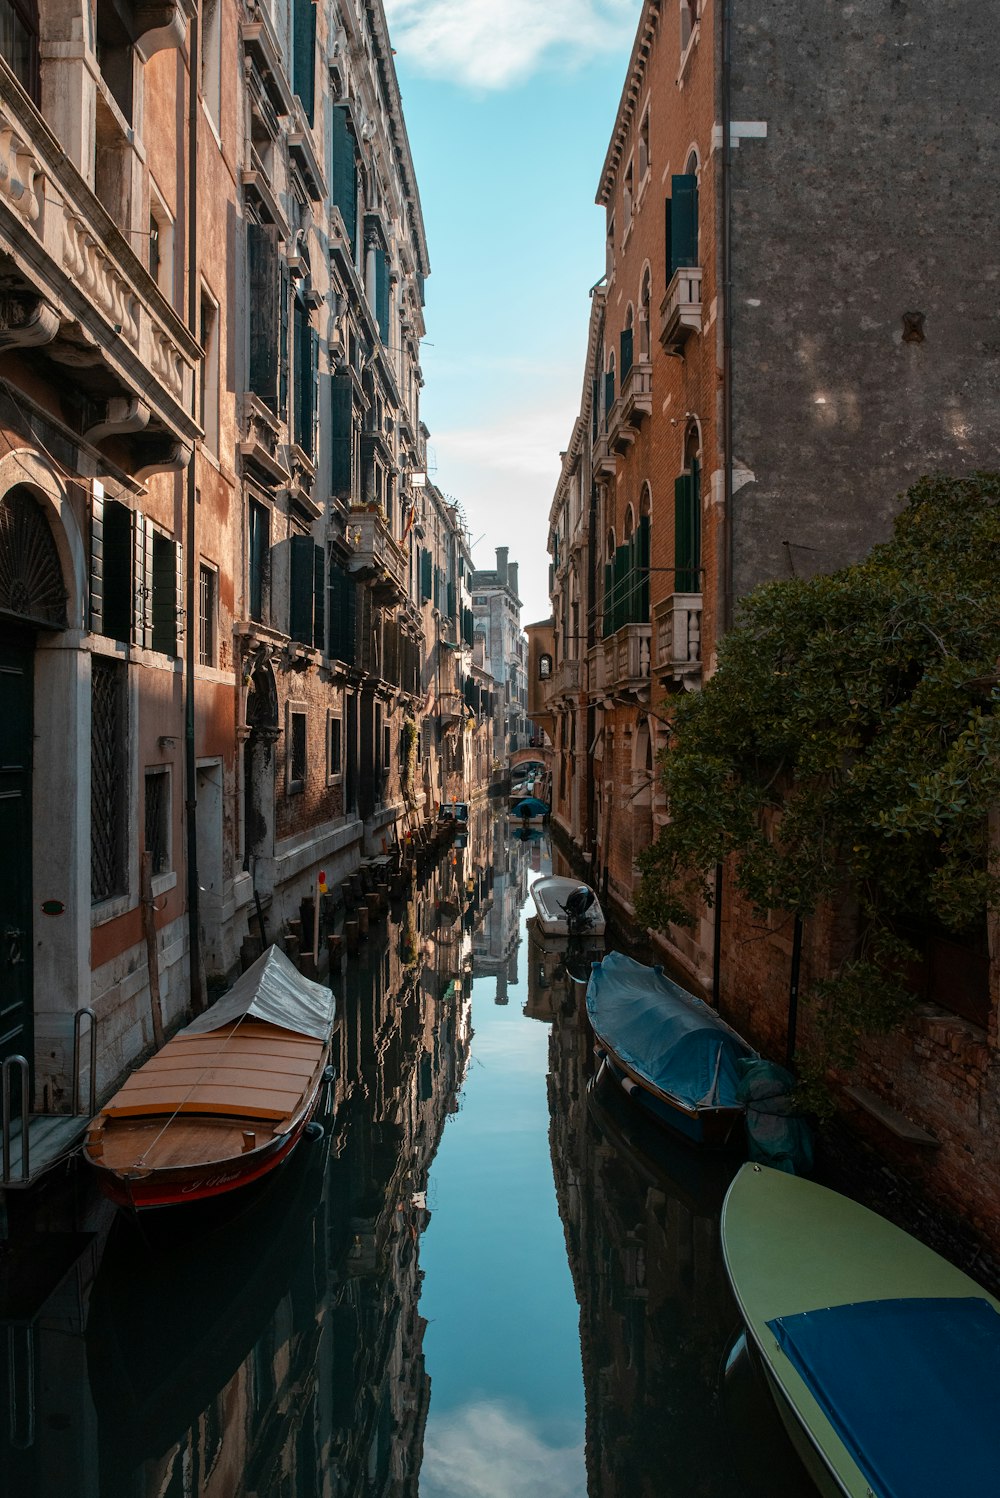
(16, 659)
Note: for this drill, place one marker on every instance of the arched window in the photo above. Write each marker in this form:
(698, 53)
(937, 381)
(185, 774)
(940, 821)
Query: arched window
(31, 580)
(682, 219)
(629, 523)
(544, 667)
(19, 42)
(628, 344)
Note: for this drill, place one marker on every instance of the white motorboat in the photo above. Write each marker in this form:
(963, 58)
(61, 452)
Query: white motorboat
(566, 907)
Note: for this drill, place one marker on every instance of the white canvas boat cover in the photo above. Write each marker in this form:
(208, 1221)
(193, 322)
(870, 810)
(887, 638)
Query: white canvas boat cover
(274, 990)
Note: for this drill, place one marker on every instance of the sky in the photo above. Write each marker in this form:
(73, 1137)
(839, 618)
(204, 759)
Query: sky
(509, 106)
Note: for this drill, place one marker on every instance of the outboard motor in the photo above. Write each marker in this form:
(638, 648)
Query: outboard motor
(578, 903)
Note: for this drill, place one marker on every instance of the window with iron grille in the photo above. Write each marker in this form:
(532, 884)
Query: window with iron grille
(207, 588)
(157, 818)
(296, 748)
(108, 780)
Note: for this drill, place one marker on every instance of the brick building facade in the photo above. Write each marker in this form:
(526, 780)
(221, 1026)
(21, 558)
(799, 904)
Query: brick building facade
(725, 441)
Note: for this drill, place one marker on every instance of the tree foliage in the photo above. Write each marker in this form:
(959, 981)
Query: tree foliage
(849, 744)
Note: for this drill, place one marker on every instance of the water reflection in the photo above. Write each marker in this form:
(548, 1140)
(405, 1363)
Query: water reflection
(482, 1282)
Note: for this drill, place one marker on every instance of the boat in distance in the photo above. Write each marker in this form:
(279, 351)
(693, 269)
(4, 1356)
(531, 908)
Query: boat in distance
(883, 1358)
(530, 809)
(567, 907)
(226, 1100)
(671, 1052)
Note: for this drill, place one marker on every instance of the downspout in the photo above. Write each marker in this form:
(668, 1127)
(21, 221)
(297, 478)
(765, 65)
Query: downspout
(725, 620)
(191, 569)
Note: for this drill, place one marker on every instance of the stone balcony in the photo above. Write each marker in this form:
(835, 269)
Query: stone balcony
(636, 399)
(680, 310)
(604, 459)
(76, 293)
(565, 680)
(626, 661)
(677, 637)
(374, 552)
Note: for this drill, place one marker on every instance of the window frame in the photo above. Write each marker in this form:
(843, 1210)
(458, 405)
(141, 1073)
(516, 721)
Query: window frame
(334, 762)
(295, 785)
(208, 623)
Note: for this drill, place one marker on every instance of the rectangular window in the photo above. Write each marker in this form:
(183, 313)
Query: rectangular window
(208, 591)
(682, 223)
(265, 326)
(209, 398)
(161, 246)
(304, 54)
(156, 820)
(211, 59)
(334, 747)
(108, 780)
(344, 172)
(296, 748)
(258, 558)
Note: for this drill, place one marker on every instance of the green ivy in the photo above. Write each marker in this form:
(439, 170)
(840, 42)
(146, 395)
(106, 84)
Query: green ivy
(848, 747)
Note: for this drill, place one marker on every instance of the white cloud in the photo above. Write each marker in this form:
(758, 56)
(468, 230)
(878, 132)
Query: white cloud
(485, 1451)
(492, 44)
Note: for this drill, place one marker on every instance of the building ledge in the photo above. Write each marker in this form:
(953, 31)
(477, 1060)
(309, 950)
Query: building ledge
(897, 1123)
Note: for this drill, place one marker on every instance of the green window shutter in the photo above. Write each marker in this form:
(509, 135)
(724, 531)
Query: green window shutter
(319, 599)
(341, 614)
(426, 583)
(595, 392)
(621, 582)
(609, 394)
(608, 599)
(687, 536)
(258, 544)
(683, 222)
(643, 564)
(381, 308)
(668, 237)
(344, 172)
(118, 595)
(313, 389)
(284, 295)
(300, 590)
(451, 600)
(304, 55)
(626, 352)
(437, 587)
(264, 316)
(342, 436)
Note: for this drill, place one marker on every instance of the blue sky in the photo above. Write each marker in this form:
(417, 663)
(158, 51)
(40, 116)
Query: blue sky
(509, 106)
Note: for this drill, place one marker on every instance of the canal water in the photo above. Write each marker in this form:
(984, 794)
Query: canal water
(489, 1279)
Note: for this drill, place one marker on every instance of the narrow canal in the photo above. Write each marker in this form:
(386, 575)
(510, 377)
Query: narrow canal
(486, 1280)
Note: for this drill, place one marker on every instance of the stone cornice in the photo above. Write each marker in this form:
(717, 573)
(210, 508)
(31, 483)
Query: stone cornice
(649, 20)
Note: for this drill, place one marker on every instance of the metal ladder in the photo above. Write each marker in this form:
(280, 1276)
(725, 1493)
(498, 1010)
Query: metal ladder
(19, 1065)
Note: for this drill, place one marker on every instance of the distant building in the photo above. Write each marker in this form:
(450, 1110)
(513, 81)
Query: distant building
(496, 611)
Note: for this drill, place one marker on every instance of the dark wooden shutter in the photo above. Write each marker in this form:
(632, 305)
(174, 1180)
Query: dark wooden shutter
(595, 401)
(319, 599)
(142, 575)
(668, 238)
(118, 599)
(382, 294)
(344, 173)
(284, 294)
(608, 598)
(342, 614)
(258, 539)
(300, 591)
(342, 436)
(304, 55)
(626, 352)
(683, 222)
(642, 562)
(609, 394)
(426, 585)
(262, 310)
(163, 613)
(97, 562)
(687, 537)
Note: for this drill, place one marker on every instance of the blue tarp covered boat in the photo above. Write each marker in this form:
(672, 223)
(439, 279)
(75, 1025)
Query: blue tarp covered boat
(671, 1051)
(531, 808)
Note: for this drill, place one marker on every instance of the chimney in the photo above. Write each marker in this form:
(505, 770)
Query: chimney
(502, 554)
(512, 578)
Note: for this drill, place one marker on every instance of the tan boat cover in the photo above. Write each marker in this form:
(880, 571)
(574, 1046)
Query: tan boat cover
(275, 991)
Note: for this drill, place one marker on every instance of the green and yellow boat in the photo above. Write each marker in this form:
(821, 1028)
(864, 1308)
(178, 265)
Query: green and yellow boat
(883, 1358)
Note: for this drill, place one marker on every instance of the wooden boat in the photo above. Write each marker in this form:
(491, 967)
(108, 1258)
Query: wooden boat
(883, 1358)
(670, 1052)
(226, 1100)
(567, 907)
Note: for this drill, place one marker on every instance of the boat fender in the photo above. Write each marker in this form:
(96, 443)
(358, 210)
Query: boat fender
(628, 1085)
(313, 1131)
(600, 1054)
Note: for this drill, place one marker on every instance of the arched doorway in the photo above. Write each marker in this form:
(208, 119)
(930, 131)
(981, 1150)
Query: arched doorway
(32, 598)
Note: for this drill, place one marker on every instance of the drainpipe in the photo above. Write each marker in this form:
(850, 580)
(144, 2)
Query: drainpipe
(726, 609)
(191, 547)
